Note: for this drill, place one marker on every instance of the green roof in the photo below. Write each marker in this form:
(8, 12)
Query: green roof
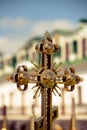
(62, 32)
(79, 64)
(83, 20)
(31, 41)
(66, 32)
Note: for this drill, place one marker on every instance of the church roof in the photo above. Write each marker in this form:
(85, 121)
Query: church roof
(83, 20)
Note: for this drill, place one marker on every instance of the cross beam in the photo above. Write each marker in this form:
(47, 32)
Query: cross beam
(47, 78)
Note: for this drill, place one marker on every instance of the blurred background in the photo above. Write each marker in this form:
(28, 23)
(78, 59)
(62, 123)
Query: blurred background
(22, 26)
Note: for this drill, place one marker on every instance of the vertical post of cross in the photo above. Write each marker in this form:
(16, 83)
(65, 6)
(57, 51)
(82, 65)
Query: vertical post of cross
(46, 96)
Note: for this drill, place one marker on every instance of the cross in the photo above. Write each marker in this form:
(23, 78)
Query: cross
(47, 78)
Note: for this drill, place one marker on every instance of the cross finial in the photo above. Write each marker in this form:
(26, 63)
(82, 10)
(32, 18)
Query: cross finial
(48, 37)
(46, 34)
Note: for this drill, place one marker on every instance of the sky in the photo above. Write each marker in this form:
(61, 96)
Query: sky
(22, 19)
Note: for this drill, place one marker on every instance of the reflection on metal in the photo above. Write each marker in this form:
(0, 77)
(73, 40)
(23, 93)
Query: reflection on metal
(54, 113)
(47, 77)
(39, 123)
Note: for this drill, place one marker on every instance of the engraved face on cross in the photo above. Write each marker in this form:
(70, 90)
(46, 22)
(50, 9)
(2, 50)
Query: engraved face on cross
(47, 79)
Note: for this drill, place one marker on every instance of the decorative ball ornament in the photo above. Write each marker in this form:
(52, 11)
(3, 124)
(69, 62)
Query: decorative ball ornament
(23, 78)
(71, 80)
(38, 48)
(22, 75)
(22, 68)
(48, 48)
(48, 78)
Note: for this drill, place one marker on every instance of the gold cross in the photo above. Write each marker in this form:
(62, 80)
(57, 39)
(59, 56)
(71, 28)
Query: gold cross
(47, 78)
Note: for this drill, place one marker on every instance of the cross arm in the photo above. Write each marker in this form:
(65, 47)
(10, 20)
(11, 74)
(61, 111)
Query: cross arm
(23, 77)
(69, 78)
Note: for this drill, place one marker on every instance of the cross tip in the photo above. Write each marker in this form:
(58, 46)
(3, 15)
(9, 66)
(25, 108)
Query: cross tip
(46, 34)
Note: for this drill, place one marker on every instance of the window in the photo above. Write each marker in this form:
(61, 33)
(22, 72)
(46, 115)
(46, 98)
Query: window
(59, 52)
(75, 46)
(84, 47)
(14, 61)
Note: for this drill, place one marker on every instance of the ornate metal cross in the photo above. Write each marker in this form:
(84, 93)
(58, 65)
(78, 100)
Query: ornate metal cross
(47, 77)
